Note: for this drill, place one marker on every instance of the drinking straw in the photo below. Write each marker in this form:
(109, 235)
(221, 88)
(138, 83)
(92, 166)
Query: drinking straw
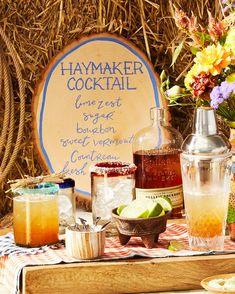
(28, 222)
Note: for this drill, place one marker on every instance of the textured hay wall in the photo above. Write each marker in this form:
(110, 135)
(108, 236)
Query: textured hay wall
(40, 28)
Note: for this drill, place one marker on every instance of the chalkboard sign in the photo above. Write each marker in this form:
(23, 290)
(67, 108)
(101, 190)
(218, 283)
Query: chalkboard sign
(92, 98)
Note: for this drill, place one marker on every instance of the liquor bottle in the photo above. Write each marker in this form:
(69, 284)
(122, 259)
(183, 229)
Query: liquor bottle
(156, 153)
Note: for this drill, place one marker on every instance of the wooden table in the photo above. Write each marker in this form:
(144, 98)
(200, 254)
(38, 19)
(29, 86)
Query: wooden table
(125, 276)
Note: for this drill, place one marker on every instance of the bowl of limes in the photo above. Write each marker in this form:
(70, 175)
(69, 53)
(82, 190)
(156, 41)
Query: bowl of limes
(142, 218)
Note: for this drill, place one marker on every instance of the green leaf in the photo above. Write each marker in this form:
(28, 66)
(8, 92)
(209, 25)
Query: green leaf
(177, 52)
(231, 215)
(204, 37)
(222, 39)
(163, 76)
(194, 50)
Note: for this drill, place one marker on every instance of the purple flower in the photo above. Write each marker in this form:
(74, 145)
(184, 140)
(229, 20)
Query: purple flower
(216, 96)
(226, 8)
(221, 93)
(229, 5)
(226, 89)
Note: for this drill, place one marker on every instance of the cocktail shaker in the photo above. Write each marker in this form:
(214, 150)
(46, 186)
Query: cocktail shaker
(206, 169)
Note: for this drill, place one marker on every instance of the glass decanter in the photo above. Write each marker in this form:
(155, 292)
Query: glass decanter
(156, 153)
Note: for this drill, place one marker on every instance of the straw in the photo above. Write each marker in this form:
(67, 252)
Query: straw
(28, 220)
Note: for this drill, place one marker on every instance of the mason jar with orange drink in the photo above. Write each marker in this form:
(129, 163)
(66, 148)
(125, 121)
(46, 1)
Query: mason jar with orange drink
(36, 215)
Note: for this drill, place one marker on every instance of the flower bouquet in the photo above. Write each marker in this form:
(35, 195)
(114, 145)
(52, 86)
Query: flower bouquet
(210, 80)
(210, 77)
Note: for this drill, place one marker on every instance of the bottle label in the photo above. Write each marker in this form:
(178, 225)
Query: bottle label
(174, 193)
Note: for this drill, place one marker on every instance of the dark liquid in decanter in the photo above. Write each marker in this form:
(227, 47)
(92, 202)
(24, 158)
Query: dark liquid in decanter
(159, 174)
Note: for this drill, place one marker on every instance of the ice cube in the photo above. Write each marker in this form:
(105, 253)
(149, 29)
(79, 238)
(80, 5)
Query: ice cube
(111, 193)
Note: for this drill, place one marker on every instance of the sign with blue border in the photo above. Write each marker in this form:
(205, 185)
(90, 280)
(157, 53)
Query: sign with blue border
(93, 97)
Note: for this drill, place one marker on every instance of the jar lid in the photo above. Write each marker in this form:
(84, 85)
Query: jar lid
(68, 183)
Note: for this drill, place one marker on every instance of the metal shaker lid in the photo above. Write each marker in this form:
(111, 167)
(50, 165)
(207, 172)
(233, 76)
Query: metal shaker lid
(205, 139)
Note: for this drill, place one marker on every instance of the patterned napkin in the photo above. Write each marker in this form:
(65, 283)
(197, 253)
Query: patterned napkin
(8, 247)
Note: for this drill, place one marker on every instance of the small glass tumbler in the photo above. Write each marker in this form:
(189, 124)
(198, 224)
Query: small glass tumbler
(112, 184)
(36, 215)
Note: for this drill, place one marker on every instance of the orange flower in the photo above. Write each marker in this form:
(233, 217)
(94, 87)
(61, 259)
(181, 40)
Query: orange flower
(216, 28)
(213, 59)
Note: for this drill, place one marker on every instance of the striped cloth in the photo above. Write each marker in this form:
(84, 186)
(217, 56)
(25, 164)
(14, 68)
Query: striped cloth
(12, 265)
(8, 247)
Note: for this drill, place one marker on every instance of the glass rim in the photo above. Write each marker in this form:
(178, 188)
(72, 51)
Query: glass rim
(42, 188)
(113, 167)
(100, 229)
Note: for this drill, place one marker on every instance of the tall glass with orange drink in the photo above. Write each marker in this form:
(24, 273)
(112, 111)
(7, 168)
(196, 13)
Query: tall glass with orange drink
(36, 215)
(206, 204)
(206, 170)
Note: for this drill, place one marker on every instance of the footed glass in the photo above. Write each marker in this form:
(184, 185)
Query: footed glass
(206, 193)
(206, 170)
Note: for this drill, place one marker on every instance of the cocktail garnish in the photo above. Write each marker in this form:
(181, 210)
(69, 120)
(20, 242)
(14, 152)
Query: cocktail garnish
(29, 181)
(175, 245)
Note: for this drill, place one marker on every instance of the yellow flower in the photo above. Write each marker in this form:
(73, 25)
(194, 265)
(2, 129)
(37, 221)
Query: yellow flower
(194, 71)
(213, 58)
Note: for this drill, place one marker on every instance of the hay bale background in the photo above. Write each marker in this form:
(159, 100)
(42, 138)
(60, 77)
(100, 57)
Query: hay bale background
(39, 29)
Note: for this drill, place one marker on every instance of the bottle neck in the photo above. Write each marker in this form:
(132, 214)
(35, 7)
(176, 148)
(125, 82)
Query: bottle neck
(157, 116)
(205, 122)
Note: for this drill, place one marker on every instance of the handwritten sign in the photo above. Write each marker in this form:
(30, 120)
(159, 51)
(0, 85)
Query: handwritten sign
(92, 99)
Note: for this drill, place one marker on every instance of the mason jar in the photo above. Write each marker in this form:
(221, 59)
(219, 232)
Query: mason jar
(36, 215)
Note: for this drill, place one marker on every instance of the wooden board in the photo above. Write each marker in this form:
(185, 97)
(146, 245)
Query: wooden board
(93, 97)
(130, 276)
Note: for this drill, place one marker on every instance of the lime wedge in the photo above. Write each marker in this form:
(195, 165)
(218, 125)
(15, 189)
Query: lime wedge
(155, 209)
(165, 203)
(135, 209)
(144, 207)
(175, 245)
(131, 212)
(162, 213)
(120, 208)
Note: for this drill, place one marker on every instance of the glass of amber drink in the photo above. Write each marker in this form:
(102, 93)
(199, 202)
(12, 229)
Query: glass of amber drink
(36, 215)
(206, 170)
(206, 192)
